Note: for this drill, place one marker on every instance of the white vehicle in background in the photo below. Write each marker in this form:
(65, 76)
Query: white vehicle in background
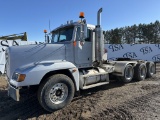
(76, 59)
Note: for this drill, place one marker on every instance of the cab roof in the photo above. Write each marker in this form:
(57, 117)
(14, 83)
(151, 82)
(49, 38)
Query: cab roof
(72, 24)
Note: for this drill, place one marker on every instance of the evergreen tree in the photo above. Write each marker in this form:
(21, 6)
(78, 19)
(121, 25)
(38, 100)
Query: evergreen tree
(143, 33)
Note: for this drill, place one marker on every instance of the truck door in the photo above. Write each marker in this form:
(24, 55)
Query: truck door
(83, 50)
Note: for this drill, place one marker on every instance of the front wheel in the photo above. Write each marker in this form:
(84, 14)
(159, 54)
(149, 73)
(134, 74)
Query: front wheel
(56, 92)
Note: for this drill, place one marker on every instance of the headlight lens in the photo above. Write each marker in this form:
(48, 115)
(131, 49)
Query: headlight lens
(15, 76)
(18, 77)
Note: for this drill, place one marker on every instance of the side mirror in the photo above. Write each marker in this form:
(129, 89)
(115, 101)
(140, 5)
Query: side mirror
(83, 32)
(47, 38)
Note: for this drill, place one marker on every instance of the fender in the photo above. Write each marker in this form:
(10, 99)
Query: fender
(121, 65)
(35, 72)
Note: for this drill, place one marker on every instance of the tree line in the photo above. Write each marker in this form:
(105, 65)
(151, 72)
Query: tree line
(142, 33)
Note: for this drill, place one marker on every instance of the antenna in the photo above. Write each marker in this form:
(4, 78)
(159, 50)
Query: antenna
(49, 26)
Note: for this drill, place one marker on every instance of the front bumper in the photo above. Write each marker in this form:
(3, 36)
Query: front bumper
(13, 92)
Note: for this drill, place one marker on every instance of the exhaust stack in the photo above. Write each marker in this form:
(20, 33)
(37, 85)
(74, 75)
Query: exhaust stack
(99, 17)
(99, 40)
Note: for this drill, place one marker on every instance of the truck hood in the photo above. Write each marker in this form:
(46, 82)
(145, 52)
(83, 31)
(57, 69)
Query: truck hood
(18, 56)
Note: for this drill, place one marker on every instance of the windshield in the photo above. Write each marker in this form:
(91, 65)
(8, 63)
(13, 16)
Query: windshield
(62, 35)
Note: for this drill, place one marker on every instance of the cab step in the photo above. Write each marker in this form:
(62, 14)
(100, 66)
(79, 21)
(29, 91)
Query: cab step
(95, 85)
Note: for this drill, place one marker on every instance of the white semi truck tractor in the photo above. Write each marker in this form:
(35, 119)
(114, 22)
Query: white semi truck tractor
(75, 59)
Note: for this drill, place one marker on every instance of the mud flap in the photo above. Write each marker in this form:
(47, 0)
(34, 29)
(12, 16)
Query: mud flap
(13, 93)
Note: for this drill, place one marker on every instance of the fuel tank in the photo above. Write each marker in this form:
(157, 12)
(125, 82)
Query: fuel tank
(92, 76)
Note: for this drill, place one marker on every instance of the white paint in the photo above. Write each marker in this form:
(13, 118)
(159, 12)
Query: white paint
(6, 43)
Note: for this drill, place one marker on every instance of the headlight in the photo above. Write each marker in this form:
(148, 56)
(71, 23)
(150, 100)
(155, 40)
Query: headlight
(18, 77)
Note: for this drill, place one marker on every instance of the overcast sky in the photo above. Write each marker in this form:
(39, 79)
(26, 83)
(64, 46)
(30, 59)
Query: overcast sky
(32, 16)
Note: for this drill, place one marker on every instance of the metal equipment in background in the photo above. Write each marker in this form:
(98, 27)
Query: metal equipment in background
(22, 36)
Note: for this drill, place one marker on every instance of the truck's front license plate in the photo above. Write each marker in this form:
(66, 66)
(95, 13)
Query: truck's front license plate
(13, 93)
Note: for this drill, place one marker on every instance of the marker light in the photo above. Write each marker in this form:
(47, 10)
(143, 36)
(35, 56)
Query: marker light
(18, 77)
(74, 43)
(81, 15)
(45, 31)
(21, 77)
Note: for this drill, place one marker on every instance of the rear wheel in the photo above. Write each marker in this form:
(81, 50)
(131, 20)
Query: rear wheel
(56, 92)
(128, 74)
(140, 72)
(150, 69)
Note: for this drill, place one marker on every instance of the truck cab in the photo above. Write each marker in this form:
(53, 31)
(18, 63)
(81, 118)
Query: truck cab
(76, 46)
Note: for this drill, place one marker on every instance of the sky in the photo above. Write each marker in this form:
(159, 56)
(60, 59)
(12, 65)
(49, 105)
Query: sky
(33, 16)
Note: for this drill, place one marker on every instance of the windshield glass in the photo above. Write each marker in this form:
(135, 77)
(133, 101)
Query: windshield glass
(62, 35)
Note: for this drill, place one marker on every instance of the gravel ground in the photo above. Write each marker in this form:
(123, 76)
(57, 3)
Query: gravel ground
(116, 101)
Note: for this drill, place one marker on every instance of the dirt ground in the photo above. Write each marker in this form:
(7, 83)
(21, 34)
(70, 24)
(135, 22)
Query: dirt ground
(116, 101)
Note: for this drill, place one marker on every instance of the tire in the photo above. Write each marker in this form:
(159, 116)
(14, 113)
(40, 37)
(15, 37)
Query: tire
(128, 74)
(56, 92)
(140, 71)
(150, 69)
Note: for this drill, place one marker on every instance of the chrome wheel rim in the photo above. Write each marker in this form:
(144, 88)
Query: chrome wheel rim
(129, 72)
(152, 70)
(58, 93)
(143, 71)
